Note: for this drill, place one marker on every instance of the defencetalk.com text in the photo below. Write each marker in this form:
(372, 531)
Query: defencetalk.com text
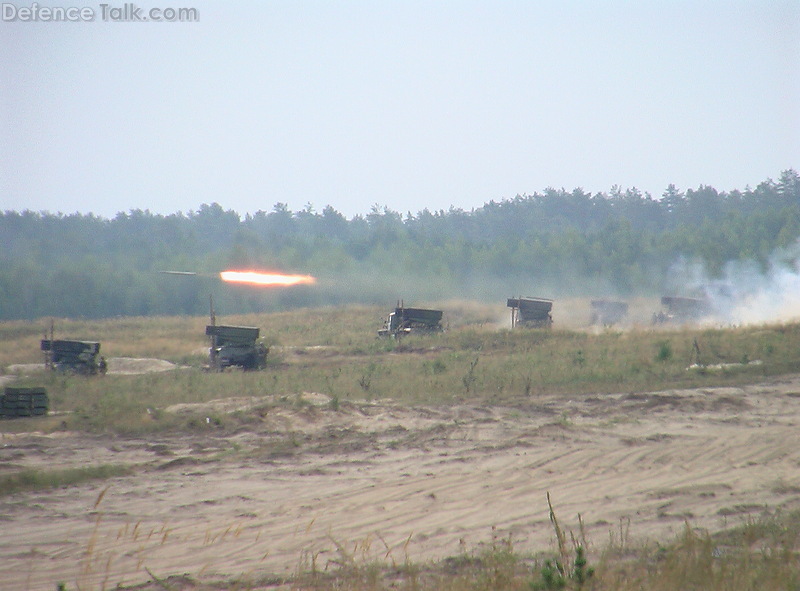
(127, 12)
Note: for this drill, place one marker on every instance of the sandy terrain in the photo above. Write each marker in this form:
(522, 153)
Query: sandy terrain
(389, 482)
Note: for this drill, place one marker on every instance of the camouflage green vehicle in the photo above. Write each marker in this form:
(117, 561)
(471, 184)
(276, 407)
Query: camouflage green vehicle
(236, 346)
(407, 320)
(682, 310)
(530, 312)
(82, 357)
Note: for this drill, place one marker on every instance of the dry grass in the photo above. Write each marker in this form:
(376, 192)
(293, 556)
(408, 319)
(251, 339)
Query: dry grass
(757, 555)
(336, 352)
(754, 556)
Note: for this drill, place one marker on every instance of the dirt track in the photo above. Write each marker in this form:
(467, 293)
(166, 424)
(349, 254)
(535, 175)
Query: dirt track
(391, 482)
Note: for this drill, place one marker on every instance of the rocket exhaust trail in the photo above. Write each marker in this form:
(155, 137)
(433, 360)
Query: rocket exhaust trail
(261, 279)
(252, 278)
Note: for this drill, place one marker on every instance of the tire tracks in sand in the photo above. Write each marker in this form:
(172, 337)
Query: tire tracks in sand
(383, 481)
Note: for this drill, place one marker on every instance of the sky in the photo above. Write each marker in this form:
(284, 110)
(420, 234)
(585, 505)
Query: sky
(408, 105)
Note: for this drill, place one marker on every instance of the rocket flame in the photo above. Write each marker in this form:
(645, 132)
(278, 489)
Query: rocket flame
(258, 278)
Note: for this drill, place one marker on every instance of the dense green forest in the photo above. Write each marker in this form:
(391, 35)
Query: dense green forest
(548, 244)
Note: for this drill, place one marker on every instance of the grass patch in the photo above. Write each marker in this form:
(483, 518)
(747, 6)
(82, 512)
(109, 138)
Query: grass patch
(758, 555)
(336, 352)
(29, 479)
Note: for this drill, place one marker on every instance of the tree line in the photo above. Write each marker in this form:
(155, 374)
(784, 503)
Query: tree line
(620, 243)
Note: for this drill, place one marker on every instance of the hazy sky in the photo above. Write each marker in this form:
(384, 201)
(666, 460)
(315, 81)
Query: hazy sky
(406, 104)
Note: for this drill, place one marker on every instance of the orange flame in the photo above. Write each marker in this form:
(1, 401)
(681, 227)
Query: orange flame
(266, 279)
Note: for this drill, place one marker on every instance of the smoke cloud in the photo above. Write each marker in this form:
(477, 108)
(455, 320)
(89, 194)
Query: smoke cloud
(746, 293)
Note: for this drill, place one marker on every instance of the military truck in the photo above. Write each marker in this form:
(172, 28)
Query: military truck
(607, 312)
(676, 309)
(530, 312)
(404, 320)
(236, 346)
(81, 357)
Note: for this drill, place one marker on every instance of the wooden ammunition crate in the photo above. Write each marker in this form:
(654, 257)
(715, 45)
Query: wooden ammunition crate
(19, 401)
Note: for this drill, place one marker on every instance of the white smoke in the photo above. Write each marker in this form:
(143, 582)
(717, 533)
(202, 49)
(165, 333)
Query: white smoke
(746, 293)
(776, 301)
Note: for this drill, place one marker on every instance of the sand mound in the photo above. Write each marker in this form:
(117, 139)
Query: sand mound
(25, 368)
(134, 366)
(241, 403)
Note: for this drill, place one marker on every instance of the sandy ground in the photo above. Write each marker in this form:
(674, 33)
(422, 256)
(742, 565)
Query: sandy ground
(306, 484)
